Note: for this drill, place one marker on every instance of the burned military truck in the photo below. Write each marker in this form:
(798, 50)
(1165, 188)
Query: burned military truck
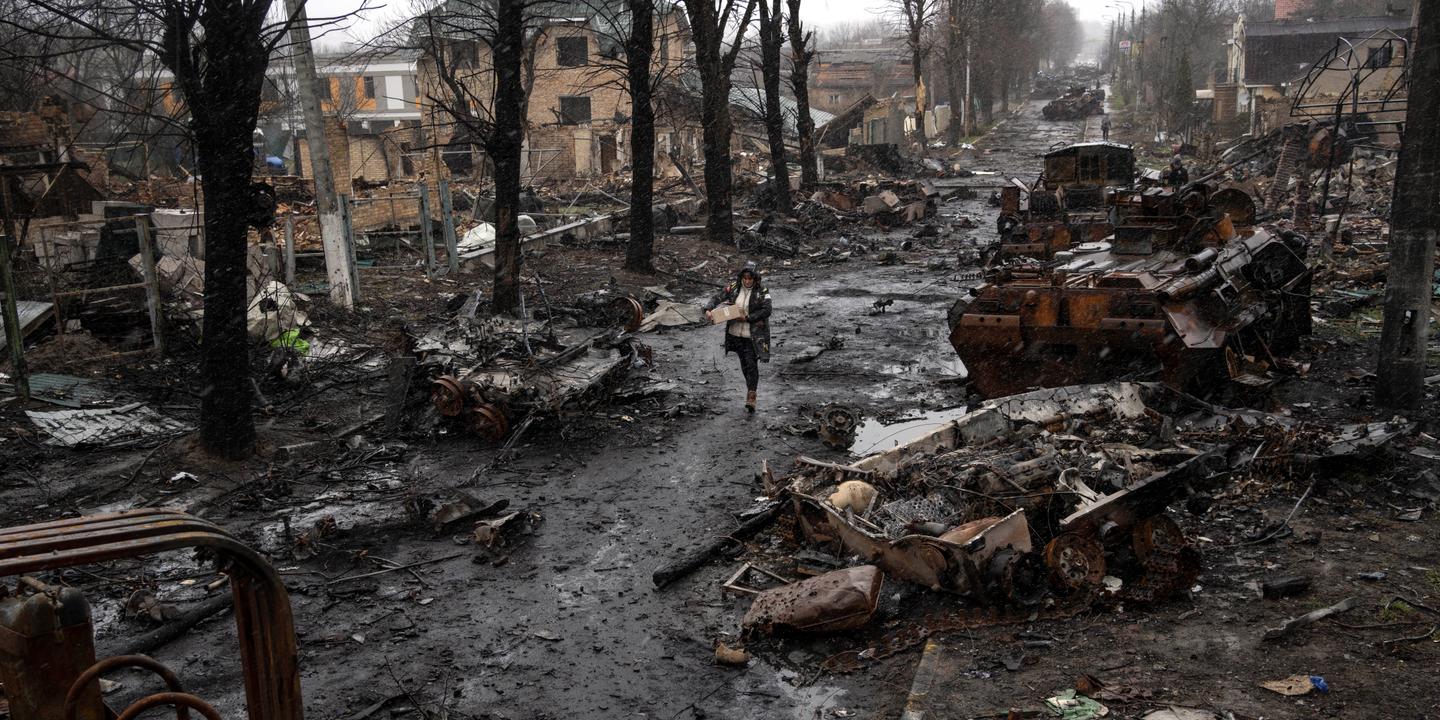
(1179, 291)
(1067, 204)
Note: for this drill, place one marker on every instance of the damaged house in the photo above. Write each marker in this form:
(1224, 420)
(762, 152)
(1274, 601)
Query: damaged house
(1267, 62)
(578, 109)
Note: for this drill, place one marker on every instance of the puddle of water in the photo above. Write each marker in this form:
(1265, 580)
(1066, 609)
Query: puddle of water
(872, 436)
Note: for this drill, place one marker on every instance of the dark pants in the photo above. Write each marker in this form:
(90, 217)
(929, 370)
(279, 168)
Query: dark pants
(749, 360)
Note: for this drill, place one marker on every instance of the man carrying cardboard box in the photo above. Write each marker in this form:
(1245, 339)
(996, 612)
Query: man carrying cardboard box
(744, 307)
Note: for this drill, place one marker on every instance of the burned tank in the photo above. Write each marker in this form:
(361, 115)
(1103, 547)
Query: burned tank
(1177, 293)
(1067, 204)
(1077, 102)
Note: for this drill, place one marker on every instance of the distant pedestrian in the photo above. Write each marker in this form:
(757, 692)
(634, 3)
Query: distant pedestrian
(749, 336)
(1176, 174)
(1105, 127)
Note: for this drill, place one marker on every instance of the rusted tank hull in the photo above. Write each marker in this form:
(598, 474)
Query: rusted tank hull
(1184, 327)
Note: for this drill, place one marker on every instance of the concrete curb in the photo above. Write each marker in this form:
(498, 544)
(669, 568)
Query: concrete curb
(918, 702)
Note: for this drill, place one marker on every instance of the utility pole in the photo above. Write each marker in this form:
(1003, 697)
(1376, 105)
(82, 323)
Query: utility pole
(1414, 227)
(338, 261)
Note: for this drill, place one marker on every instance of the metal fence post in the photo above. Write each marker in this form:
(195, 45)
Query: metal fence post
(447, 220)
(152, 283)
(425, 229)
(290, 249)
(345, 220)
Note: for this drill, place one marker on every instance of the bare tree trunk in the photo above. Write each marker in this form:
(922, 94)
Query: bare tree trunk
(1415, 217)
(917, 60)
(800, 56)
(954, 49)
(708, 30)
(224, 102)
(504, 146)
(638, 50)
(223, 158)
(771, 38)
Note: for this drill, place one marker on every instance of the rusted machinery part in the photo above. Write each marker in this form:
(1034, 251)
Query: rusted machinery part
(1156, 532)
(181, 701)
(1169, 561)
(489, 422)
(1021, 577)
(447, 394)
(628, 312)
(93, 673)
(264, 622)
(1076, 562)
(1236, 203)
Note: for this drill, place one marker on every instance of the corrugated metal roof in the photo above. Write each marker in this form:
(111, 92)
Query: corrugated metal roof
(751, 101)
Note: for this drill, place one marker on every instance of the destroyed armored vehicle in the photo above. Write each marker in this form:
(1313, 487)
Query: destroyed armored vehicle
(1067, 204)
(973, 508)
(1078, 102)
(1176, 290)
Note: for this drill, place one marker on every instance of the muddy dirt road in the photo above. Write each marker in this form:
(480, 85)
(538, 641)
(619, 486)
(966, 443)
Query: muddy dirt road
(568, 625)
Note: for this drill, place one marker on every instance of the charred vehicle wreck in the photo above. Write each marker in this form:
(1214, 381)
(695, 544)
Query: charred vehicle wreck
(1183, 290)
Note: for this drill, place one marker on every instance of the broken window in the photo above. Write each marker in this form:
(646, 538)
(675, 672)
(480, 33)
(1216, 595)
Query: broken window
(574, 110)
(572, 51)
(330, 88)
(1379, 57)
(369, 88)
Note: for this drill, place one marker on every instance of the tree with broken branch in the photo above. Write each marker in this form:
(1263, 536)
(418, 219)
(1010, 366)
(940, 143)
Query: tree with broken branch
(802, 51)
(217, 52)
(710, 23)
(914, 18)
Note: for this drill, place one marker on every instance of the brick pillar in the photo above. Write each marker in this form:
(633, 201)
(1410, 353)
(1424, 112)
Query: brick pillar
(339, 144)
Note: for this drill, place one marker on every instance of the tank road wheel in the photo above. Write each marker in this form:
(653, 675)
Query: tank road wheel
(447, 395)
(489, 423)
(1076, 562)
(1156, 532)
(628, 313)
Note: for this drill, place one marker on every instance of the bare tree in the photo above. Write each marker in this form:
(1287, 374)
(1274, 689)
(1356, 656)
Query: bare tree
(915, 17)
(639, 48)
(772, 37)
(802, 51)
(217, 52)
(481, 52)
(709, 21)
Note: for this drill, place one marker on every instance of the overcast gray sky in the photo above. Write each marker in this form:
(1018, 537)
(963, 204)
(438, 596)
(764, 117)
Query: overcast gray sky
(815, 12)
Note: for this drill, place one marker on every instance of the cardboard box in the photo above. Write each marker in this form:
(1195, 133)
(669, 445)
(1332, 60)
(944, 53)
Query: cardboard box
(722, 315)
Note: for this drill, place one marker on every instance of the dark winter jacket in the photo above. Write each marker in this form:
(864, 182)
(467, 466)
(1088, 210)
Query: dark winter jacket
(758, 314)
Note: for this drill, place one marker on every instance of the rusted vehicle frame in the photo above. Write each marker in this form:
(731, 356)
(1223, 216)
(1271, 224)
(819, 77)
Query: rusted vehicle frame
(263, 618)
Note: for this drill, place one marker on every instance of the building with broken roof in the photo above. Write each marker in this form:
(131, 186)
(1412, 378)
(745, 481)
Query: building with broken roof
(840, 78)
(1268, 61)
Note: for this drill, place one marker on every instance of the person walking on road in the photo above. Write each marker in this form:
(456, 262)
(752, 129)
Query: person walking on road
(1105, 126)
(748, 336)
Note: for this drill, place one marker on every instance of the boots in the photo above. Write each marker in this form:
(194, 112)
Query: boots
(750, 401)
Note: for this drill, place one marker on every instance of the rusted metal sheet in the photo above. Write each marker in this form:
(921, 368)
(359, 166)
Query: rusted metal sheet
(263, 618)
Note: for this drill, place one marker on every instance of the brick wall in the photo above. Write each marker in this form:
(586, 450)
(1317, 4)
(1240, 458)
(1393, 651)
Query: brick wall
(1288, 9)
